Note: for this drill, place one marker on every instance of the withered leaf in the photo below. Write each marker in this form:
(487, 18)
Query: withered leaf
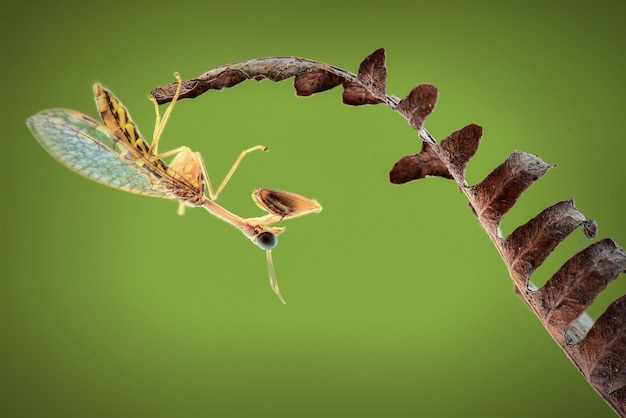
(493, 197)
(456, 150)
(418, 104)
(418, 166)
(530, 244)
(372, 81)
(572, 289)
(603, 355)
(315, 81)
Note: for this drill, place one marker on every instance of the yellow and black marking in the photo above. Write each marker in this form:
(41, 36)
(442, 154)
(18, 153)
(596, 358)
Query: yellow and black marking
(116, 117)
(131, 145)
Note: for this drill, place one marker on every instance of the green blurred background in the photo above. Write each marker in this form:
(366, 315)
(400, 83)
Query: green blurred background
(397, 303)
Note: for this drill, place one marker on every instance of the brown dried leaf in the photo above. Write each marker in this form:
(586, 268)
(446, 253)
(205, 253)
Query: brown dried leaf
(372, 82)
(530, 244)
(456, 150)
(315, 81)
(604, 353)
(418, 166)
(572, 289)
(493, 197)
(418, 104)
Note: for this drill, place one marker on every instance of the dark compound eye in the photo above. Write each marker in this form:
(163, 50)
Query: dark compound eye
(266, 240)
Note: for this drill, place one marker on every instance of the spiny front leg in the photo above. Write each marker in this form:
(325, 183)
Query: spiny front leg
(284, 204)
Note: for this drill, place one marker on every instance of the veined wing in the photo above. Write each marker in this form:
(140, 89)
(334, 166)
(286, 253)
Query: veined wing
(87, 147)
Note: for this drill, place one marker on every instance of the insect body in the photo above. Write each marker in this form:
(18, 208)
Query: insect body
(112, 152)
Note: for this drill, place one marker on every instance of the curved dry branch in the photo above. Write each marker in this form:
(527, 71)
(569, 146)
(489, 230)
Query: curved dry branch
(597, 349)
(310, 77)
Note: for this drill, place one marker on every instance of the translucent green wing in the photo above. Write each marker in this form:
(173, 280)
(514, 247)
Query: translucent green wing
(87, 147)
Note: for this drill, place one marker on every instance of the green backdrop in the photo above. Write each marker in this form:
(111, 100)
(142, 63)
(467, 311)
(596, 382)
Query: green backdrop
(397, 304)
